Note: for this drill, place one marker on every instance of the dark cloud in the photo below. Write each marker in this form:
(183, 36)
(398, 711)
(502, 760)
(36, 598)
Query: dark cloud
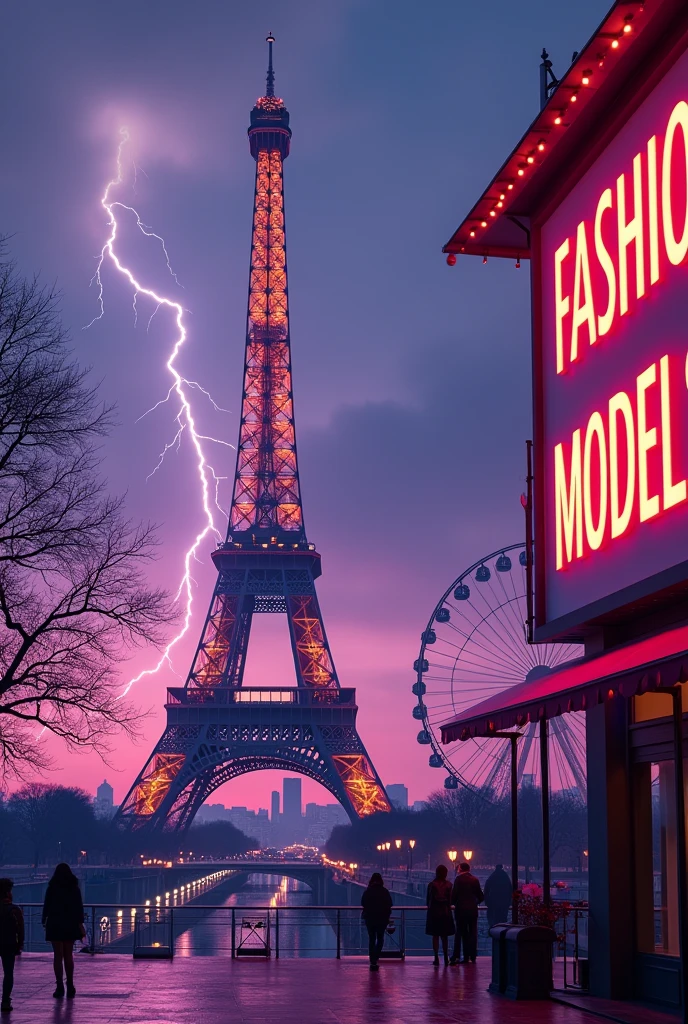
(416, 488)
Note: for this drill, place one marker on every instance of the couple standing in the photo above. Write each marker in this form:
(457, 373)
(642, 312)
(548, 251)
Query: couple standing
(465, 896)
(63, 918)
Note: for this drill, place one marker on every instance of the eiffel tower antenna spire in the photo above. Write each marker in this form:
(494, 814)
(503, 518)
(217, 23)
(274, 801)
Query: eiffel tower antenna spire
(270, 91)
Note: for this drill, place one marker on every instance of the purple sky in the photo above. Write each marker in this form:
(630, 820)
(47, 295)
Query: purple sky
(411, 380)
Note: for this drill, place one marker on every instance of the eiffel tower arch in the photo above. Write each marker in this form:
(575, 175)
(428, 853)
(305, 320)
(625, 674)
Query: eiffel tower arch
(218, 729)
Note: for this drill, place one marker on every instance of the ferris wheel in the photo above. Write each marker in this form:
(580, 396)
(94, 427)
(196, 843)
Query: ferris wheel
(474, 647)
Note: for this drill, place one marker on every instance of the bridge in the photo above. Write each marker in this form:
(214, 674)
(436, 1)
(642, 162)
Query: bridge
(143, 879)
(312, 873)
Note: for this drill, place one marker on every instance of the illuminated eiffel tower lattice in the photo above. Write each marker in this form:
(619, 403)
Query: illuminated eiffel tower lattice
(217, 728)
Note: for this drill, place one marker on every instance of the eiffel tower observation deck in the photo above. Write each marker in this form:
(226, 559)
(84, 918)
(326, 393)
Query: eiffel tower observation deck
(218, 729)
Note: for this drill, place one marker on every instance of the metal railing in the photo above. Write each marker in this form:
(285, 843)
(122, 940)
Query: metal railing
(236, 931)
(282, 931)
(572, 934)
(179, 695)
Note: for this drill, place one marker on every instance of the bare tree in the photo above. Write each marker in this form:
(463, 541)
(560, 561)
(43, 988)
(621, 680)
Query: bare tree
(53, 822)
(73, 596)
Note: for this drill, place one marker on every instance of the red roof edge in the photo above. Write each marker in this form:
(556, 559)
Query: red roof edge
(494, 227)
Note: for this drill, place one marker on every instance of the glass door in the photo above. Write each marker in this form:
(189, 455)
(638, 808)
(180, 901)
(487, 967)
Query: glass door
(656, 875)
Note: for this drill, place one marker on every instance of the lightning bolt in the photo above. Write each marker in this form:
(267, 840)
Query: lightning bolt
(179, 390)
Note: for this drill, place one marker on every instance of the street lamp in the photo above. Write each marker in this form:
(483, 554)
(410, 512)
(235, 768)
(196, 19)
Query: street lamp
(386, 846)
(412, 843)
(397, 843)
(467, 854)
(452, 854)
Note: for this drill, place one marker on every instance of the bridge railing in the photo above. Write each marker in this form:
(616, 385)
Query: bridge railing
(276, 931)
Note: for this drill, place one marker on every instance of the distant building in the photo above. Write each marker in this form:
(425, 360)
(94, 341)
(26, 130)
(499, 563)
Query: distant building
(291, 798)
(255, 824)
(261, 829)
(291, 830)
(275, 829)
(104, 804)
(398, 795)
(319, 821)
(419, 805)
(212, 812)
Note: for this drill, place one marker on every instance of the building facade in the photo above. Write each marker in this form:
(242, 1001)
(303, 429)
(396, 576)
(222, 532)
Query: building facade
(398, 796)
(596, 196)
(104, 803)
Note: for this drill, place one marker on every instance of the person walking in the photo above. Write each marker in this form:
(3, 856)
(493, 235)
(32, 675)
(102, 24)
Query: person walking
(466, 895)
(11, 940)
(63, 918)
(377, 909)
(498, 896)
(438, 920)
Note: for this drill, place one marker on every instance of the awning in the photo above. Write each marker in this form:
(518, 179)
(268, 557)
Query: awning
(658, 662)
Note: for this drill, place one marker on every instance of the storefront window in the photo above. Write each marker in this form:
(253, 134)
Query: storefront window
(656, 860)
(657, 704)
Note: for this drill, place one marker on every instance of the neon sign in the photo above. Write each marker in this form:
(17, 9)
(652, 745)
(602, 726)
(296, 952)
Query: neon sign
(613, 366)
(649, 196)
(594, 498)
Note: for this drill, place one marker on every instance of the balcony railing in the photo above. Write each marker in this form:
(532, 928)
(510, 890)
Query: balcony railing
(179, 695)
(572, 932)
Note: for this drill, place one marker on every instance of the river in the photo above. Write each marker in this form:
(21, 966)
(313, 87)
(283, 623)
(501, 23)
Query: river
(285, 923)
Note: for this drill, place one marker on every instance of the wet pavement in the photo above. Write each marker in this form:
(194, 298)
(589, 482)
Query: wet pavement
(217, 990)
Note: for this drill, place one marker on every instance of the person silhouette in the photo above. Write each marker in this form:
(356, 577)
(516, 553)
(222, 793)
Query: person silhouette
(377, 908)
(466, 895)
(498, 896)
(439, 921)
(11, 940)
(63, 918)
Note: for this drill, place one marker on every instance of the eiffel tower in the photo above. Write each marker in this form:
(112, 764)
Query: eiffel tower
(218, 729)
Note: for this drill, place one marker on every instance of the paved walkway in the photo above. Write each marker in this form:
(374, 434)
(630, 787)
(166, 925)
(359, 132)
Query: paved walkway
(626, 1012)
(214, 990)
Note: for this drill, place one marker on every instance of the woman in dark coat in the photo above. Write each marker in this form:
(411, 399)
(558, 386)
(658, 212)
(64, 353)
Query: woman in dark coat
(439, 921)
(377, 908)
(63, 918)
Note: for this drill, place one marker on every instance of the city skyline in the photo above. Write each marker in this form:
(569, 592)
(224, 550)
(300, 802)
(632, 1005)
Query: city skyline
(104, 794)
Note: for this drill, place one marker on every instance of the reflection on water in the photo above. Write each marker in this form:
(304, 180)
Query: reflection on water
(307, 933)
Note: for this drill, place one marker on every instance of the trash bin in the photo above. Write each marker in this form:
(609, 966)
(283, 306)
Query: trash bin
(498, 936)
(529, 962)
